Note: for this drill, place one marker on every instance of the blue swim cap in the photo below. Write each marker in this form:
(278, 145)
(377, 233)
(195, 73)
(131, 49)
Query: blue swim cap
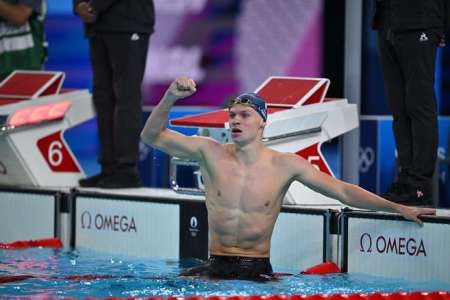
(254, 101)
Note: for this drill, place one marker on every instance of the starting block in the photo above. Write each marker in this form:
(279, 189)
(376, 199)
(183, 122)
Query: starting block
(34, 114)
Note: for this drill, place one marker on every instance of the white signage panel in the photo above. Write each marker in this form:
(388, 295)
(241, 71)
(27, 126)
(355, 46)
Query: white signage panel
(298, 241)
(128, 227)
(26, 216)
(400, 249)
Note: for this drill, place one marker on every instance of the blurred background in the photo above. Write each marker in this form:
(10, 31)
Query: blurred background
(231, 46)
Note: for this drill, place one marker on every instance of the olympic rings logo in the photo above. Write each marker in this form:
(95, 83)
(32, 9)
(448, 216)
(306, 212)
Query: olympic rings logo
(366, 159)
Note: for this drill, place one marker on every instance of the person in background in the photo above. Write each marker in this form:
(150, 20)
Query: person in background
(409, 31)
(22, 37)
(118, 33)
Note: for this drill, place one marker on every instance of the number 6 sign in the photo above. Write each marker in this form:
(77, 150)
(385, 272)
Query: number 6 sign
(55, 153)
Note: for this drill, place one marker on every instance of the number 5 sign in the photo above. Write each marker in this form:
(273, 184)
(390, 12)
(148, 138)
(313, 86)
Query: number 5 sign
(55, 153)
(314, 157)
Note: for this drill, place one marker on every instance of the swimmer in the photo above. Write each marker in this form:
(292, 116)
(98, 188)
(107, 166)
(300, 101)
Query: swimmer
(245, 183)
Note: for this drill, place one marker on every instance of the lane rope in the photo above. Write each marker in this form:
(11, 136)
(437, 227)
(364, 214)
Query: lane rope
(47, 243)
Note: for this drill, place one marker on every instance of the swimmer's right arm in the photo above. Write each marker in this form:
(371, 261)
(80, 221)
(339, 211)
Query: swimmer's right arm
(157, 135)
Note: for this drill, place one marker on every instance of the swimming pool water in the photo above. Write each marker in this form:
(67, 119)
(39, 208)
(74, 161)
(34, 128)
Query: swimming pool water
(52, 274)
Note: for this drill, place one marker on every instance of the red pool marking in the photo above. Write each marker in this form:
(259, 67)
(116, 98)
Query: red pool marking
(47, 243)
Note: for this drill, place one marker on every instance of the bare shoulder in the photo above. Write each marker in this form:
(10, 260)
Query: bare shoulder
(208, 143)
(211, 147)
(290, 163)
(285, 159)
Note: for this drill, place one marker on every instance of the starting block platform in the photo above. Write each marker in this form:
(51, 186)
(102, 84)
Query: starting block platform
(34, 114)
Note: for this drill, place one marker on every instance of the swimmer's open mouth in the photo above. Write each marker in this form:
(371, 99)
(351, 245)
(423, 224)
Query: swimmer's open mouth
(236, 130)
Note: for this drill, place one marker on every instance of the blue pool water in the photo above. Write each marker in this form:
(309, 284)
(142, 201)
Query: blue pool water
(49, 270)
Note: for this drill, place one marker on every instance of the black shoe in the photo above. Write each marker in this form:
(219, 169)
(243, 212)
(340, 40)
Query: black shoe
(421, 195)
(92, 181)
(397, 191)
(121, 181)
(417, 194)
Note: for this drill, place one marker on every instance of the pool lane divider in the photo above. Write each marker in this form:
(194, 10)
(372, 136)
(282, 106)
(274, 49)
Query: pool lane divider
(375, 296)
(16, 278)
(437, 295)
(46, 243)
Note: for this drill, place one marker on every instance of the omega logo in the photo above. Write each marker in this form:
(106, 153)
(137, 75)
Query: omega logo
(86, 220)
(107, 222)
(392, 245)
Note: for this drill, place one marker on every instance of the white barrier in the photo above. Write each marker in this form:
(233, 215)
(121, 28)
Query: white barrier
(117, 225)
(299, 239)
(27, 215)
(386, 245)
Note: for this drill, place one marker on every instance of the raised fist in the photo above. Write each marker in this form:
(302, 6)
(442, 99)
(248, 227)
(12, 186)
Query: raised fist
(181, 87)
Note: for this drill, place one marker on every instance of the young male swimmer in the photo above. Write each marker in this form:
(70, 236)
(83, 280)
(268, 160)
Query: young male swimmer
(245, 184)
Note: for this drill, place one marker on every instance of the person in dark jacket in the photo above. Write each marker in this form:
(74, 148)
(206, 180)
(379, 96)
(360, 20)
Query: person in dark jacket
(118, 33)
(409, 31)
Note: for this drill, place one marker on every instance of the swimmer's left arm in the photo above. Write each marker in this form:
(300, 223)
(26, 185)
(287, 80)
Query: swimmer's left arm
(349, 194)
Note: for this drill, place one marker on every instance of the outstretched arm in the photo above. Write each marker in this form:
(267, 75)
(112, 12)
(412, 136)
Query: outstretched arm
(350, 194)
(157, 135)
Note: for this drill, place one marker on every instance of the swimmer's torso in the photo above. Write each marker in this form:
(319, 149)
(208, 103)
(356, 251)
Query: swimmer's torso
(243, 203)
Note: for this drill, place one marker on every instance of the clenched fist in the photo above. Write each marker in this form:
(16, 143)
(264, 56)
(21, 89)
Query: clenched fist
(181, 87)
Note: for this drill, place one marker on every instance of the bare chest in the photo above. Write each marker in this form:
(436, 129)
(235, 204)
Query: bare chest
(247, 188)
